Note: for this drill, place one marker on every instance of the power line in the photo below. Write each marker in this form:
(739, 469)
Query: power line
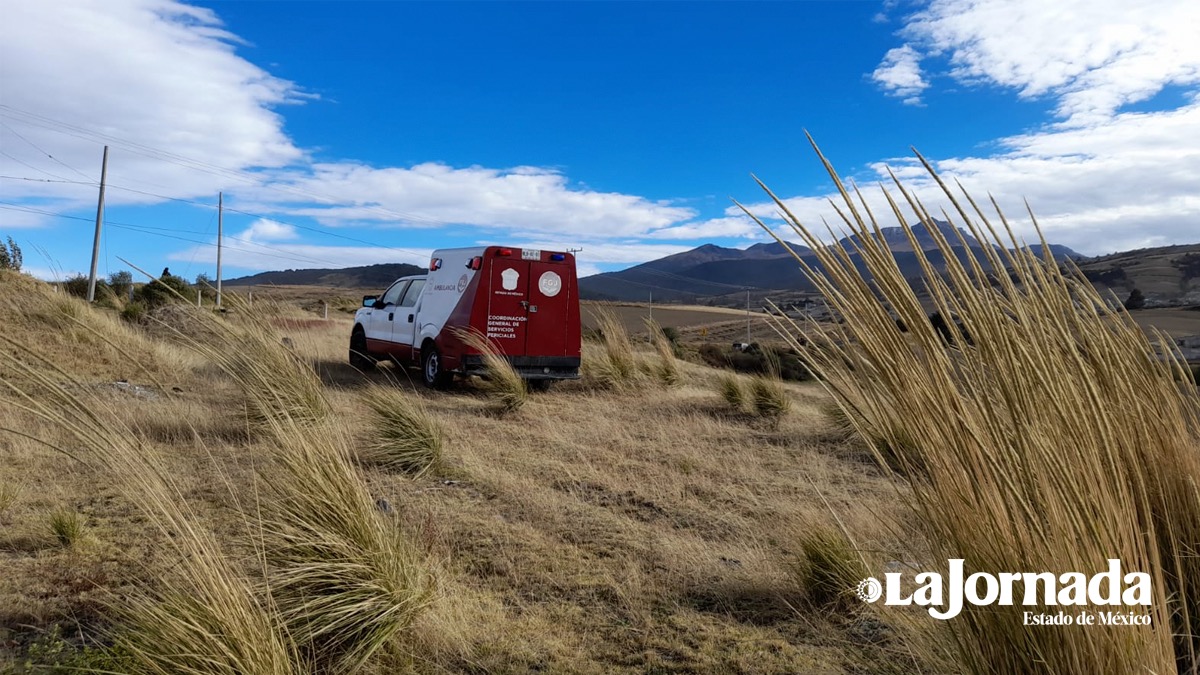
(191, 202)
(198, 165)
(35, 147)
(161, 232)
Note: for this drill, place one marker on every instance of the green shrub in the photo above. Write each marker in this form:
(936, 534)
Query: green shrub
(757, 359)
(78, 286)
(133, 312)
(10, 256)
(1189, 265)
(168, 288)
(121, 283)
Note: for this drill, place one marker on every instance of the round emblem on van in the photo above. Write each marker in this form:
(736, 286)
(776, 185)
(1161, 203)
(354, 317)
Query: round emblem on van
(462, 283)
(550, 284)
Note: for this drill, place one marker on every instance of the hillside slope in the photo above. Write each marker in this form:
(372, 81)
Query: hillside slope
(368, 276)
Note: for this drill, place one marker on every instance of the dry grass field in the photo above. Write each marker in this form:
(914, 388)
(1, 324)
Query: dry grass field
(645, 529)
(222, 493)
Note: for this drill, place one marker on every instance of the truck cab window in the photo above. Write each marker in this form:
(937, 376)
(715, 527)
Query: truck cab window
(414, 291)
(392, 295)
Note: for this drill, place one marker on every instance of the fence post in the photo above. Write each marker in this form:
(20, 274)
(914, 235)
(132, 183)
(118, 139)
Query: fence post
(325, 310)
(198, 297)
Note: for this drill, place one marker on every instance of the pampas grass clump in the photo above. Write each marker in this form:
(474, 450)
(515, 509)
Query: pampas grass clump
(501, 382)
(405, 437)
(1054, 439)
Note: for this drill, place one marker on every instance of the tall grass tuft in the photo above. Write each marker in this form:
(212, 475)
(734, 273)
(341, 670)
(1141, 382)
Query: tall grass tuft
(405, 437)
(9, 494)
(346, 580)
(501, 381)
(666, 368)
(204, 618)
(68, 526)
(1053, 440)
(730, 387)
(614, 366)
(829, 568)
(769, 398)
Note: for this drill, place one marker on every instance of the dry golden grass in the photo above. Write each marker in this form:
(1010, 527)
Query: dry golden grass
(1053, 440)
(501, 381)
(596, 532)
(403, 435)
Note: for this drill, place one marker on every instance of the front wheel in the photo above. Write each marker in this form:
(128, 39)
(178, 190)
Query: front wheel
(431, 369)
(360, 358)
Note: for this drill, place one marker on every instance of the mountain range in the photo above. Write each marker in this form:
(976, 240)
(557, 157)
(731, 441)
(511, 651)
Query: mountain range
(712, 270)
(711, 274)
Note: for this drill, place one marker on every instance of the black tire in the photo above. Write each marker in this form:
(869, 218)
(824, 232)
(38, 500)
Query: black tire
(539, 385)
(431, 368)
(360, 358)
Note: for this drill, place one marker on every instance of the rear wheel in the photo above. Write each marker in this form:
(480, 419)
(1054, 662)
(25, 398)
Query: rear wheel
(431, 368)
(359, 356)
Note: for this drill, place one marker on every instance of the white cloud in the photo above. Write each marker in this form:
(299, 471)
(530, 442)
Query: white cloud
(618, 252)
(1094, 56)
(900, 74)
(269, 230)
(1127, 183)
(176, 82)
(133, 74)
(1102, 177)
(432, 194)
(250, 255)
(730, 226)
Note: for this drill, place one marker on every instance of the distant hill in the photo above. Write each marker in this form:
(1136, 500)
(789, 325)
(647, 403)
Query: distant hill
(370, 276)
(712, 270)
(1167, 276)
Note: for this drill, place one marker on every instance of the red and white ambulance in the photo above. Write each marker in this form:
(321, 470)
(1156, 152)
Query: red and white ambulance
(525, 300)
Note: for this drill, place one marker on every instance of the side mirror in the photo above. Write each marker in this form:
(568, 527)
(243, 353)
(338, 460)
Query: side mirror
(369, 300)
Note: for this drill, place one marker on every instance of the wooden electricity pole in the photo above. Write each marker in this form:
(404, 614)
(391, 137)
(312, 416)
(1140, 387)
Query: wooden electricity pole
(91, 296)
(220, 225)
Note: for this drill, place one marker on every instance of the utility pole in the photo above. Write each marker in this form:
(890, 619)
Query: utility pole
(91, 296)
(652, 305)
(220, 223)
(573, 251)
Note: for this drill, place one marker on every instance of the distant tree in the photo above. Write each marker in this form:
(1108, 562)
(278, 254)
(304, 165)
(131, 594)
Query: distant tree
(1189, 265)
(10, 256)
(121, 282)
(206, 286)
(1135, 300)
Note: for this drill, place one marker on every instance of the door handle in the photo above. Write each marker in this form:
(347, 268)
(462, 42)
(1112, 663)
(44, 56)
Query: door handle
(410, 318)
(533, 308)
(525, 304)
(391, 315)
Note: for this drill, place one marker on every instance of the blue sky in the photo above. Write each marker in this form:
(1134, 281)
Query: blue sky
(348, 133)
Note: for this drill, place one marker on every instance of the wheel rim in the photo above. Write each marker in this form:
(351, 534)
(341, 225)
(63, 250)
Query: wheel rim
(431, 367)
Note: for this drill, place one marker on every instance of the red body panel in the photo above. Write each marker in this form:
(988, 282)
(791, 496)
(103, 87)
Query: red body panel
(505, 312)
